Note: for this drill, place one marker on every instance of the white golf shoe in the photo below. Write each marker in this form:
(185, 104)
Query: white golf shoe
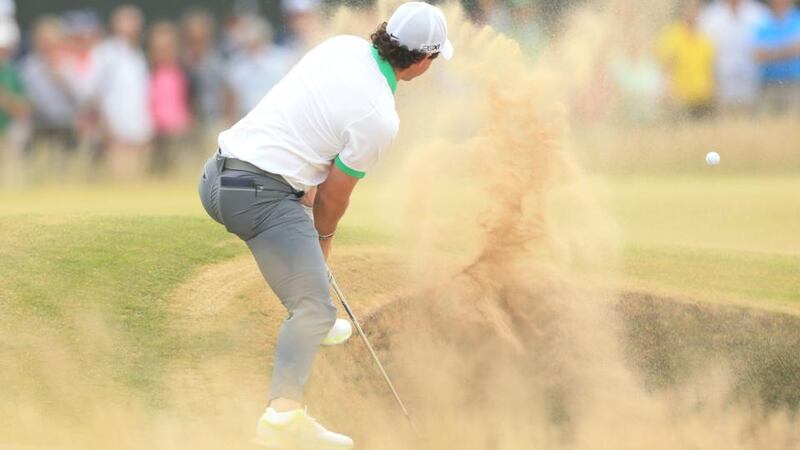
(339, 334)
(296, 430)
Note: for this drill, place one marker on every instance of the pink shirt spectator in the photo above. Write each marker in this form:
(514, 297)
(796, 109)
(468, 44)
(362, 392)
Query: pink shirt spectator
(169, 100)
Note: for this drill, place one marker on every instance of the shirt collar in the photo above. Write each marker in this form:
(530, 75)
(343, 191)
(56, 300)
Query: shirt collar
(386, 69)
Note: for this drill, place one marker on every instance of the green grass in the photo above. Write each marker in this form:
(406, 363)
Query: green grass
(58, 271)
(117, 252)
(739, 276)
(712, 236)
(755, 213)
(87, 272)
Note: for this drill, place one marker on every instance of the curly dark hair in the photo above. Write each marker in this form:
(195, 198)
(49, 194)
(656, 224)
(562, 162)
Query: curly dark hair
(399, 56)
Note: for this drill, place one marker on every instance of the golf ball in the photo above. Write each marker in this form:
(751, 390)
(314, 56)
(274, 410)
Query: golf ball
(712, 158)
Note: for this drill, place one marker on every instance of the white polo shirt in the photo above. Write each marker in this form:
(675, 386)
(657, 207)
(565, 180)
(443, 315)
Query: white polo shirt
(733, 35)
(335, 106)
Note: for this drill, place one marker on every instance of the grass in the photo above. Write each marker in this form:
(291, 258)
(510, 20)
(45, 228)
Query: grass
(121, 268)
(117, 253)
(738, 276)
(711, 236)
(77, 254)
(710, 210)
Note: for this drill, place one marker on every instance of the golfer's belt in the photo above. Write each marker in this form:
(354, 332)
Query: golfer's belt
(237, 164)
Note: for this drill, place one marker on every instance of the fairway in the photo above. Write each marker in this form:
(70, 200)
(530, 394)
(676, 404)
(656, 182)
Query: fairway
(712, 236)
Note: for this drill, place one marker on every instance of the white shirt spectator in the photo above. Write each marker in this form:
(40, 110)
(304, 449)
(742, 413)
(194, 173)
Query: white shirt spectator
(733, 35)
(121, 88)
(251, 75)
(53, 105)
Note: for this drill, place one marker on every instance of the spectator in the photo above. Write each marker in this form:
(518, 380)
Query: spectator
(638, 82)
(121, 91)
(256, 69)
(204, 65)
(83, 32)
(302, 19)
(14, 107)
(688, 57)
(169, 87)
(525, 29)
(494, 13)
(8, 9)
(43, 74)
(169, 93)
(233, 27)
(778, 52)
(731, 25)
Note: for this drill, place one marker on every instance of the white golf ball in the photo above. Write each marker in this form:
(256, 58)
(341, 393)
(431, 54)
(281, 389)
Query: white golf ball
(712, 158)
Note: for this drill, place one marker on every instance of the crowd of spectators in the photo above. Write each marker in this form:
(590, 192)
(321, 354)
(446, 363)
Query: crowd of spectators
(738, 56)
(730, 57)
(134, 95)
(128, 92)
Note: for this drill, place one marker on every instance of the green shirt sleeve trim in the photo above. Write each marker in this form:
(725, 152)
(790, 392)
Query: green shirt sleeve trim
(353, 173)
(386, 69)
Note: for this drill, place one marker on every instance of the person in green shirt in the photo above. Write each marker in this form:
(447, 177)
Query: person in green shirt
(13, 105)
(12, 100)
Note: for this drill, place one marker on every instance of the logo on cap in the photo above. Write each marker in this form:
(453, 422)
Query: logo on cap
(422, 27)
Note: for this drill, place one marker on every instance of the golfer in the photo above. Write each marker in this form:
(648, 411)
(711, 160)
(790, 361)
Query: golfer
(306, 145)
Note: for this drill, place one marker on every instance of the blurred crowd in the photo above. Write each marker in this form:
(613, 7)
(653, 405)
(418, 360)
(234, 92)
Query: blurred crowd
(725, 57)
(132, 95)
(129, 93)
(738, 57)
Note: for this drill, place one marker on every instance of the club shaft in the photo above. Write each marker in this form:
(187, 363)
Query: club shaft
(352, 316)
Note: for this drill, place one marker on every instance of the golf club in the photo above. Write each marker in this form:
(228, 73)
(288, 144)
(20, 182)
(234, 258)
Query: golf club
(352, 316)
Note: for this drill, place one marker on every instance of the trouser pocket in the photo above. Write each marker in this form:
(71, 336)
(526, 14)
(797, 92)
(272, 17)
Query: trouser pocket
(237, 198)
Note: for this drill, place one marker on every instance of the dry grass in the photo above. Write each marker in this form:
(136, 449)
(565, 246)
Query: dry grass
(753, 146)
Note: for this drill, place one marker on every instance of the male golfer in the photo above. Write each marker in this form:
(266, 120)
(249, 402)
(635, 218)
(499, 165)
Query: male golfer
(309, 141)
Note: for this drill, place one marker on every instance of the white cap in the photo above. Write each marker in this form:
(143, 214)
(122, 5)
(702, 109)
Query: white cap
(420, 26)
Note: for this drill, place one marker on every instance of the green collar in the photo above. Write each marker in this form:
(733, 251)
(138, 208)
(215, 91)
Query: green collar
(386, 70)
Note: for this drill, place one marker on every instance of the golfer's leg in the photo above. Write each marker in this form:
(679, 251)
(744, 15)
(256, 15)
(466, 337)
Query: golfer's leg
(291, 261)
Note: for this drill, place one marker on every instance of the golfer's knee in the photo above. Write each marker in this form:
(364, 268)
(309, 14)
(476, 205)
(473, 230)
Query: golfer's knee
(326, 316)
(315, 314)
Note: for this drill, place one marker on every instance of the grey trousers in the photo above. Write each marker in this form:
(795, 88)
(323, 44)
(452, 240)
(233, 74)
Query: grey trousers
(266, 213)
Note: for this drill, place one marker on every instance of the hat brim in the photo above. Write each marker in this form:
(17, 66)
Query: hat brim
(447, 50)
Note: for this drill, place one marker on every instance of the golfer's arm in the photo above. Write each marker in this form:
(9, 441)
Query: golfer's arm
(333, 196)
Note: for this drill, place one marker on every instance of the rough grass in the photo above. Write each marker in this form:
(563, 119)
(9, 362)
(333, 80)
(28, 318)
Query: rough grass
(59, 270)
(89, 271)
